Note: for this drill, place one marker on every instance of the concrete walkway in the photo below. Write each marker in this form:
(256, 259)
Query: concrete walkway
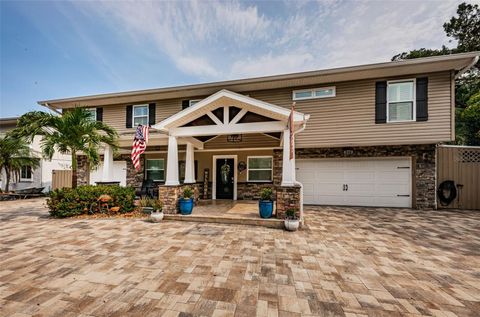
(347, 262)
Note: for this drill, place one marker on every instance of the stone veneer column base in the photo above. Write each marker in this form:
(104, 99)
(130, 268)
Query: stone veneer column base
(288, 197)
(169, 196)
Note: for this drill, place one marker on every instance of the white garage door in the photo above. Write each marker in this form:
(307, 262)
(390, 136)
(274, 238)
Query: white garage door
(384, 182)
(119, 173)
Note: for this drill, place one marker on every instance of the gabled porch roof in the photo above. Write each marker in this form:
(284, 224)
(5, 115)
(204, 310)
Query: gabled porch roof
(272, 118)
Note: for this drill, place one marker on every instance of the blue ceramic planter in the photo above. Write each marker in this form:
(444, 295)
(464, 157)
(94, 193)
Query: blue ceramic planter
(266, 208)
(186, 206)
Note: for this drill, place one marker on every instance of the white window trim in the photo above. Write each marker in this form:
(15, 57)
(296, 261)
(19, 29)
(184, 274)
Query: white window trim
(414, 106)
(193, 101)
(312, 90)
(259, 169)
(133, 114)
(94, 111)
(146, 169)
(27, 179)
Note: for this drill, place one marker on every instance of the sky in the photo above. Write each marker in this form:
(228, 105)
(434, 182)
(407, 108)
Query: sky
(59, 49)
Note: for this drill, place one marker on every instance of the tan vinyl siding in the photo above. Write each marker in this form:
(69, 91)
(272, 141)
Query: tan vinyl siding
(345, 120)
(349, 118)
(205, 160)
(115, 115)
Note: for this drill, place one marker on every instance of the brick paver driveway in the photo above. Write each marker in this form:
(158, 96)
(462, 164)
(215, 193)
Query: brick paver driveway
(349, 262)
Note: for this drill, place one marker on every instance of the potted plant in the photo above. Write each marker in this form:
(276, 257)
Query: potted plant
(291, 220)
(265, 204)
(186, 201)
(146, 204)
(157, 214)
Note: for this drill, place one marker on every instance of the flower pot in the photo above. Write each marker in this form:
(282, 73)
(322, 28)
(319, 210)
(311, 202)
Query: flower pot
(147, 210)
(156, 216)
(292, 224)
(265, 207)
(185, 206)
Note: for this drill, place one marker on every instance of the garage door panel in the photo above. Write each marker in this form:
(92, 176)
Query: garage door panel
(371, 182)
(364, 177)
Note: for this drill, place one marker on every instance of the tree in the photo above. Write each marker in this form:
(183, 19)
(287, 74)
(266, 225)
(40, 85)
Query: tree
(422, 52)
(470, 121)
(73, 132)
(463, 28)
(14, 155)
(466, 28)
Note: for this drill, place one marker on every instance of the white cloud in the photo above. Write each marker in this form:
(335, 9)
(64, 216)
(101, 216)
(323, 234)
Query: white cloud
(220, 40)
(271, 64)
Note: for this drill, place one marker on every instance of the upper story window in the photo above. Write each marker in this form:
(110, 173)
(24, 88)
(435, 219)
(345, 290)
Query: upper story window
(93, 113)
(26, 173)
(193, 101)
(401, 100)
(155, 170)
(260, 169)
(140, 115)
(322, 92)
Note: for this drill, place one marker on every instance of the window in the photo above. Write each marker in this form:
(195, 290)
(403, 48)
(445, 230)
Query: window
(140, 115)
(401, 100)
(93, 113)
(155, 170)
(259, 169)
(323, 92)
(192, 102)
(26, 173)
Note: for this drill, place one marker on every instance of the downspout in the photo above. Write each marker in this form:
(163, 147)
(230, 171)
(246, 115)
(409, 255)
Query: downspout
(297, 182)
(463, 70)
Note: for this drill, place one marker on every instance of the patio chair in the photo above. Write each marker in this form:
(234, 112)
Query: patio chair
(147, 189)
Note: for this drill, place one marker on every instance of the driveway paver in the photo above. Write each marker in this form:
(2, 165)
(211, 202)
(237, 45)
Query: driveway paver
(347, 262)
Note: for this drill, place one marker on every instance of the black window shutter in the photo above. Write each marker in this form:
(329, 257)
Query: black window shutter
(100, 114)
(381, 102)
(422, 99)
(151, 113)
(185, 104)
(128, 119)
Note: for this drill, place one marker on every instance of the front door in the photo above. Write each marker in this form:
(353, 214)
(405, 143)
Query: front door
(224, 178)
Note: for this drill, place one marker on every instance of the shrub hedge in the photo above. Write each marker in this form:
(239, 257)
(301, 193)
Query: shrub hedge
(68, 202)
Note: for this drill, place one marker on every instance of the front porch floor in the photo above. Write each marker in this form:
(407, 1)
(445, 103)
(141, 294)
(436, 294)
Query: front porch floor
(244, 212)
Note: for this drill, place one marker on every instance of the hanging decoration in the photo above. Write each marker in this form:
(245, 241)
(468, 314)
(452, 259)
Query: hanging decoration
(225, 170)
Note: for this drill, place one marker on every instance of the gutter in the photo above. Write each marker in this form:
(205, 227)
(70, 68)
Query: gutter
(463, 70)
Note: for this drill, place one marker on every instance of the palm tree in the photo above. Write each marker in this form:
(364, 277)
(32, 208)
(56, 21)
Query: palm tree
(73, 132)
(14, 154)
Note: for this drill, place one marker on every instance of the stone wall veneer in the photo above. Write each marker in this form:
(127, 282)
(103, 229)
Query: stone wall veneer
(169, 196)
(288, 198)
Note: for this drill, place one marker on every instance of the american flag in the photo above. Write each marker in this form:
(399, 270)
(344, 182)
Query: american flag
(139, 144)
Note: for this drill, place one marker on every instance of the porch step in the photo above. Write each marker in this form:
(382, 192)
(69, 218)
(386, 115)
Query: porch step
(269, 223)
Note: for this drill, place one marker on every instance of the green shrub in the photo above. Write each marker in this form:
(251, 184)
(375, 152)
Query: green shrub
(266, 194)
(187, 192)
(290, 214)
(67, 202)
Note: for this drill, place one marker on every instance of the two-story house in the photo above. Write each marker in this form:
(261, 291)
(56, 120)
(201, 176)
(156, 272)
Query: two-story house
(363, 135)
(28, 177)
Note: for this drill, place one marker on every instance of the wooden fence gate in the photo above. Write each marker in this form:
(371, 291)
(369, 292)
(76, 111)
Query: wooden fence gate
(61, 179)
(460, 164)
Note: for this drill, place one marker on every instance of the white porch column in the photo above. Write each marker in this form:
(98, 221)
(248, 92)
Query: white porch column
(172, 162)
(107, 173)
(189, 165)
(288, 166)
